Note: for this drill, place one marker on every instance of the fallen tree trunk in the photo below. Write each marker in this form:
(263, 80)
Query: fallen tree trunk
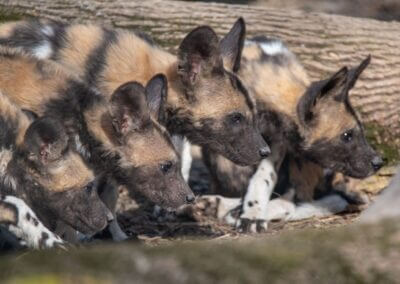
(323, 42)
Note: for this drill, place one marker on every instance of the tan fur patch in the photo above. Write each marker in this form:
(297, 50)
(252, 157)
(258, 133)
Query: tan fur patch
(251, 52)
(149, 149)
(40, 80)
(137, 149)
(278, 87)
(80, 42)
(132, 59)
(7, 215)
(10, 111)
(69, 173)
(332, 120)
(338, 179)
(7, 29)
(216, 98)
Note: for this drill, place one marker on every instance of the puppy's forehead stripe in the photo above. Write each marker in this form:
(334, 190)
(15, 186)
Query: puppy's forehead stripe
(351, 110)
(164, 134)
(242, 89)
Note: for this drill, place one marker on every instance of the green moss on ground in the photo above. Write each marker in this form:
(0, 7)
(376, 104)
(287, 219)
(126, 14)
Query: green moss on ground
(384, 142)
(9, 15)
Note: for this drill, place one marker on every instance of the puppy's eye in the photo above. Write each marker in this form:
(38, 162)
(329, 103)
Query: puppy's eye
(89, 187)
(166, 167)
(237, 118)
(347, 136)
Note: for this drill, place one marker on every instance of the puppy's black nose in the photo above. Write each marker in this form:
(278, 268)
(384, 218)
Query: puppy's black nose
(190, 198)
(264, 152)
(377, 163)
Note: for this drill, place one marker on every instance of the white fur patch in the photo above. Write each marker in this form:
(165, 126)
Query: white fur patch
(280, 209)
(324, 207)
(48, 31)
(225, 206)
(259, 192)
(271, 47)
(29, 229)
(43, 51)
(187, 159)
(274, 47)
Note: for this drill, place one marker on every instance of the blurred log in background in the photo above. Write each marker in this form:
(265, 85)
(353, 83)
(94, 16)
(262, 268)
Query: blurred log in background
(384, 10)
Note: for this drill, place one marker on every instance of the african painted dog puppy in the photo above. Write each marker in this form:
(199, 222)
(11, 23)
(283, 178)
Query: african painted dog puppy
(18, 218)
(120, 137)
(38, 166)
(207, 103)
(313, 123)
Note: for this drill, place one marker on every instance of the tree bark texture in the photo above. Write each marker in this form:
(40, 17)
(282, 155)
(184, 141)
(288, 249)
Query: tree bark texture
(323, 42)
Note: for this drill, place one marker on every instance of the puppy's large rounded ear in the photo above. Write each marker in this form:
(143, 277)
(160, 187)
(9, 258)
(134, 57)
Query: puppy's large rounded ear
(332, 87)
(198, 55)
(45, 140)
(128, 107)
(231, 45)
(156, 95)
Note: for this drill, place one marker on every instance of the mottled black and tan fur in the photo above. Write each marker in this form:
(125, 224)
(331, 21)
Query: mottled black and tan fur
(207, 102)
(120, 137)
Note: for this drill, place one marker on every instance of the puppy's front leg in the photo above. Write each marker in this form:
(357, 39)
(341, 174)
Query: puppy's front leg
(255, 202)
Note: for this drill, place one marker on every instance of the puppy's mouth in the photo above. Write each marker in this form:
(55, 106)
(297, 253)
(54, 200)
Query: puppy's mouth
(87, 228)
(353, 172)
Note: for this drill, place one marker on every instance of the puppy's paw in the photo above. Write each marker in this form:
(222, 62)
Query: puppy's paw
(252, 218)
(245, 225)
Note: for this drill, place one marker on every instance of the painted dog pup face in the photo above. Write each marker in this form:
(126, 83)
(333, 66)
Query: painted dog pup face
(218, 112)
(335, 136)
(149, 162)
(57, 180)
